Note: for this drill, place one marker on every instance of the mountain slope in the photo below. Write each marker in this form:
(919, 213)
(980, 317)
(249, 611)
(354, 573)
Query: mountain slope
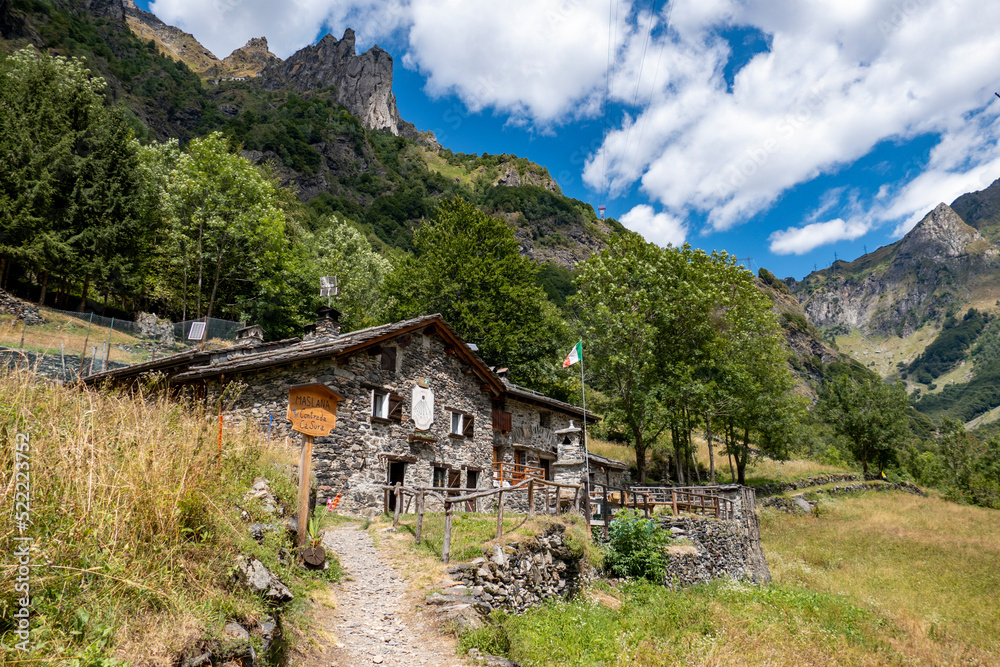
(941, 263)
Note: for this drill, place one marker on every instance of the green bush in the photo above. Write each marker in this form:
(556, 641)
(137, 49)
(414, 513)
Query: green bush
(635, 548)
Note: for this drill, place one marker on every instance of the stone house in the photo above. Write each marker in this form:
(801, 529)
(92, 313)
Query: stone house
(420, 407)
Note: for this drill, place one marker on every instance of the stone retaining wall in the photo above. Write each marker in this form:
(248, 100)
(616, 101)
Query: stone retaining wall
(774, 488)
(798, 505)
(718, 548)
(518, 575)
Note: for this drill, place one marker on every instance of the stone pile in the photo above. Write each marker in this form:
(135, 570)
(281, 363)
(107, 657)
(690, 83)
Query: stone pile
(151, 326)
(22, 310)
(716, 549)
(513, 577)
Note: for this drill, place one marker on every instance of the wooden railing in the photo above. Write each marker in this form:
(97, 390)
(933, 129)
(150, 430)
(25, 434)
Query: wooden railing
(450, 501)
(515, 472)
(690, 499)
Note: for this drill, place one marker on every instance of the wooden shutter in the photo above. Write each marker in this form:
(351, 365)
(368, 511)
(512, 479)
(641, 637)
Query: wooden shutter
(501, 421)
(388, 358)
(396, 407)
(468, 426)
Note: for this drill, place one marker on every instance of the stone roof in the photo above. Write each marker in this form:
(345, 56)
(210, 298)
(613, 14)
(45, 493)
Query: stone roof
(194, 365)
(529, 396)
(606, 462)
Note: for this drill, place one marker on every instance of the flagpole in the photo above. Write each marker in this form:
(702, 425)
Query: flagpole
(586, 450)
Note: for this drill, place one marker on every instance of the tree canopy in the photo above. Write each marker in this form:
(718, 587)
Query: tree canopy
(676, 335)
(72, 199)
(467, 267)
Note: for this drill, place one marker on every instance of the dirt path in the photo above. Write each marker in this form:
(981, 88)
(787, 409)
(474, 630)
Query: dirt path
(374, 619)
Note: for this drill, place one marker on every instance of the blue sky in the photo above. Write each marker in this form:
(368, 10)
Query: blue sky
(791, 133)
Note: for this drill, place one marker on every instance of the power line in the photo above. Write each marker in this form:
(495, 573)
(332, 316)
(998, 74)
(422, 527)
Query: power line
(638, 81)
(652, 90)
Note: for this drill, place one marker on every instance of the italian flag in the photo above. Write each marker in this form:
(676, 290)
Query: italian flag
(575, 355)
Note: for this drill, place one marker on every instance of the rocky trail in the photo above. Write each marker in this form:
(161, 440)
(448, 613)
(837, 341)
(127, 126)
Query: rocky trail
(375, 619)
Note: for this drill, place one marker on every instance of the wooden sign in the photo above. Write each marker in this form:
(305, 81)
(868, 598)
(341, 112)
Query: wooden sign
(312, 409)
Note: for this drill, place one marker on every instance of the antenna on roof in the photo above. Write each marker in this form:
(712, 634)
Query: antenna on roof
(328, 288)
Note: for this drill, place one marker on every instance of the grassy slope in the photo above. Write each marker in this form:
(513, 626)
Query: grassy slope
(135, 525)
(927, 565)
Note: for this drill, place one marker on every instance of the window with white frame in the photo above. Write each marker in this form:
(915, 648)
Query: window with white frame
(380, 404)
(386, 405)
(462, 424)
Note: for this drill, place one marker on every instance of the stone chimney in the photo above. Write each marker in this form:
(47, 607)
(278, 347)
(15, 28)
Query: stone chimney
(326, 326)
(250, 336)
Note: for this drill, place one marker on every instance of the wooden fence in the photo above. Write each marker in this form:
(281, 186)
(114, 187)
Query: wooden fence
(689, 499)
(449, 498)
(515, 472)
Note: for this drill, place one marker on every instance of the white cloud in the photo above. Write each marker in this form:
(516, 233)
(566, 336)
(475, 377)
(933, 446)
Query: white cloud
(543, 60)
(839, 78)
(801, 240)
(660, 228)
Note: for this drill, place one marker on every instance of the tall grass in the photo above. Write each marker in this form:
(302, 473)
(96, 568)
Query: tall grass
(927, 564)
(135, 521)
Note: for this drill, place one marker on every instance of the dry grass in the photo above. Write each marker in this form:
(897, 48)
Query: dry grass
(928, 565)
(612, 450)
(135, 524)
(758, 472)
(72, 333)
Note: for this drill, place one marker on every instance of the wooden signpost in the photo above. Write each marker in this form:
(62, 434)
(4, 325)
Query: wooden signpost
(312, 409)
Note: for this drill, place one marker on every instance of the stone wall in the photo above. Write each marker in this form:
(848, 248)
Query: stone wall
(774, 488)
(718, 548)
(800, 505)
(520, 574)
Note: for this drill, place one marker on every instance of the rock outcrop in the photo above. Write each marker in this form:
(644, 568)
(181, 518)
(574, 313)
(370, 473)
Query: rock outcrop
(249, 60)
(363, 82)
(896, 288)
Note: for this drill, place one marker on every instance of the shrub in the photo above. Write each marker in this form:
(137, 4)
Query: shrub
(635, 548)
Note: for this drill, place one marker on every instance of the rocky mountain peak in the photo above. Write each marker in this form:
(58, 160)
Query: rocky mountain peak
(363, 82)
(249, 60)
(941, 235)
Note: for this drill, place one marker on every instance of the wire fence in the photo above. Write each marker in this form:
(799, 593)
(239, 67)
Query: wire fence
(70, 345)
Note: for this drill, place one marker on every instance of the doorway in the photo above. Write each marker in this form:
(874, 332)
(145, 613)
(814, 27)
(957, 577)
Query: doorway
(397, 470)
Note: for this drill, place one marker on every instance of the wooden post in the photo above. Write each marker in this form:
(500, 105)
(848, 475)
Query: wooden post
(588, 514)
(305, 465)
(673, 500)
(716, 500)
(645, 504)
(545, 488)
(385, 501)
(500, 514)
(607, 518)
(420, 513)
(446, 547)
(576, 499)
(399, 504)
(531, 498)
